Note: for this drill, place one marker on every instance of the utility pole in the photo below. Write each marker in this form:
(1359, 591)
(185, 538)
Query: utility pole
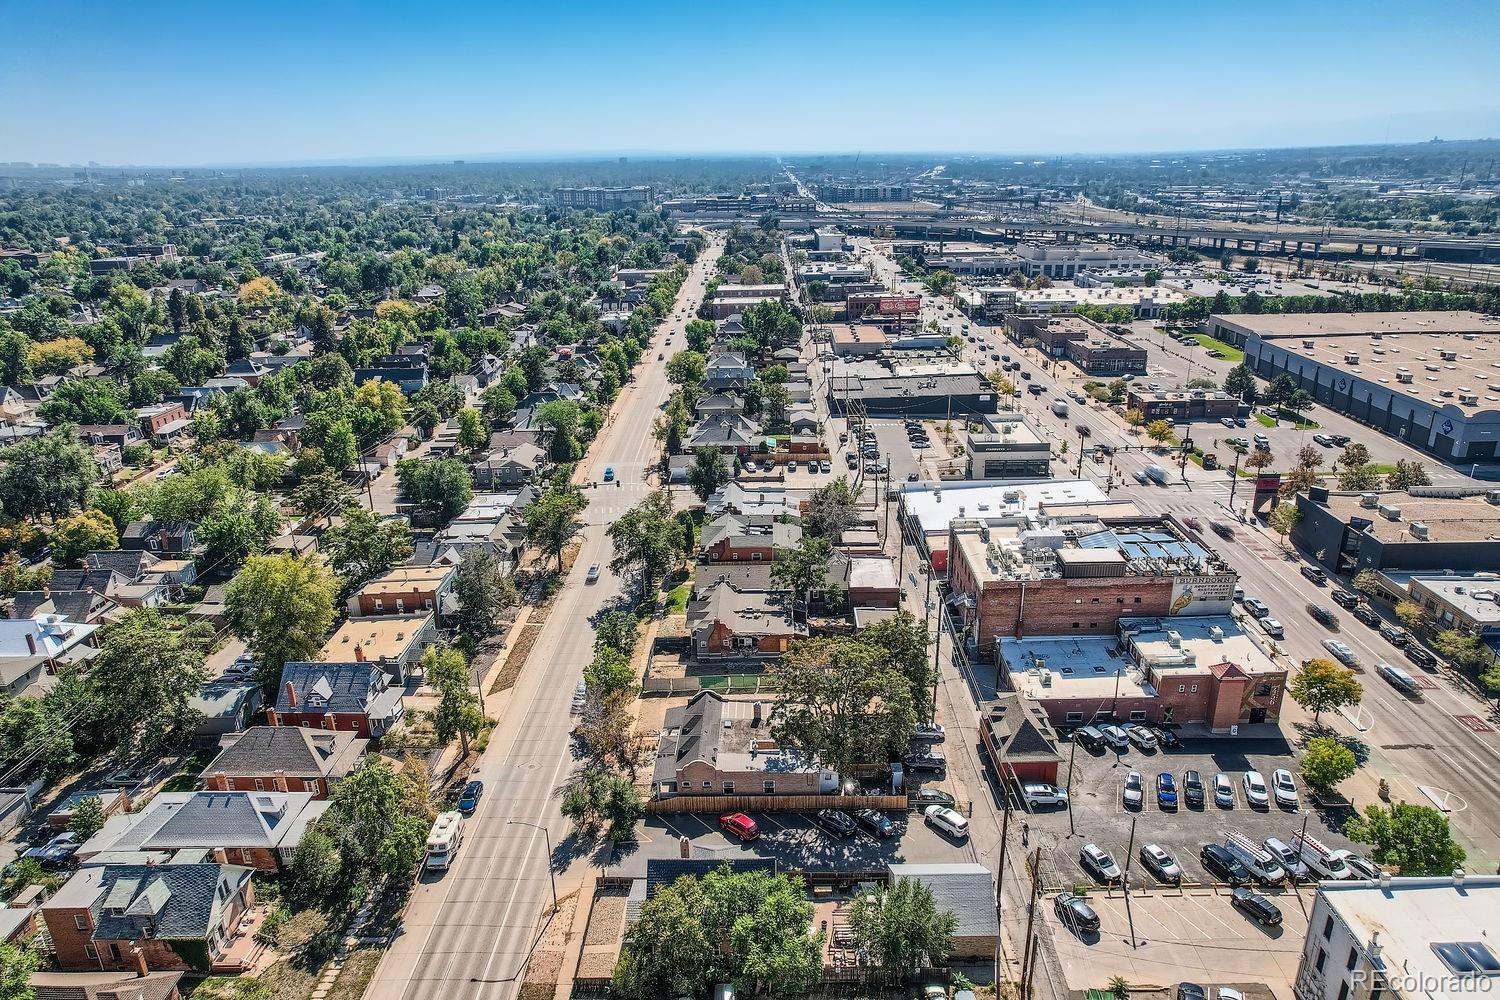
(1072, 750)
(1036, 859)
(1125, 882)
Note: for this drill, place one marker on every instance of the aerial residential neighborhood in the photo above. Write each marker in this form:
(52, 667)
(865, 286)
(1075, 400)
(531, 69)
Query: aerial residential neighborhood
(939, 541)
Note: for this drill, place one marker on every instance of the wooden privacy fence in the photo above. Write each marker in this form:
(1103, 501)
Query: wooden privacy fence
(774, 803)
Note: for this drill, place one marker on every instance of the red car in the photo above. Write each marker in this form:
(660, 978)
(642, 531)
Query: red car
(739, 825)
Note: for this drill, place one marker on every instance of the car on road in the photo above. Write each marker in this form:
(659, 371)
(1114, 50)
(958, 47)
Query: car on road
(1395, 635)
(1140, 477)
(1341, 440)
(825, 466)
(1341, 652)
(1192, 991)
(1315, 574)
(926, 762)
(1256, 793)
(1367, 616)
(876, 822)
(1256, 607)
(1166, 790)
(1192, 789)
(1284, 788)
(912, 477)
(1133, 795)
(1076, 914)
(929, 732)
(1324, 617)
(609, 473)
(925, 797)
(1273, 628)
(1218, 861)
(592, 576)
(1323, 439)
(948, 820)
(469, 800)
(1141, 736)
(1089, 737)
(1419, 655)
(1397, 678)
(1345, 600)
(739, 826)
(1160, 863)
(56, 851)
(1037, 794)
(1257, 907)
(1222, 528)
(835, 822)
(1099, 863)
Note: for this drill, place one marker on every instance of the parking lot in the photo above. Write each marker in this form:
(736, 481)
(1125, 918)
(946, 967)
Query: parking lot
(1101, 817)
(797, 844)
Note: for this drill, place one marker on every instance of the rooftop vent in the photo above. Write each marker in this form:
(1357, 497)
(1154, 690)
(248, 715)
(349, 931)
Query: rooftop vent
(1371, 500)
(1448, 355)
(1390, 512)
(1404, 377)
(1418, 529)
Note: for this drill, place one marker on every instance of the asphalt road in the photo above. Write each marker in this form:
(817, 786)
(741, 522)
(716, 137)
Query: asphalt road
(467, 933)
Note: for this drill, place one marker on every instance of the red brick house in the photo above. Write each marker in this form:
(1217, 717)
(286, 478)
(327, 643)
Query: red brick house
(1019, 740)
(258, 829)
(727, 623)
(740, 538)
(404, 589)
(166, 917)
(284, 759)
(354, 697)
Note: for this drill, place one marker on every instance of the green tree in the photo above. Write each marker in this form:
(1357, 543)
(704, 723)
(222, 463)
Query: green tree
(554, 520)
(1406, 475)
(804, 568)
(941, 282)
(1367, 581)
(902, 928)
(617, 630)
(647, 541)
(1413, 616)
(322, 494)
(472, 432)
(1460, 648)
(458, 713)
(148, 671)
(362, 546)
(1414, 840)
(1135, 417)
(700, 334)
(37, 728)
(86, 401)
(379, 816)
(1283, 519)
(16, 966)
(1160, 431)
(709, 472)
(438, 488)
(1322, 686)
(1260, 458)
(1358, 478)
(282, 607)
(1326, 762)
(1354, 454)
(563, 418)
(597, 801)
(832, 509)
(340, 448)
(74, 537)
(482, 592)
(687, 368)
(48, 476)
(88, 818)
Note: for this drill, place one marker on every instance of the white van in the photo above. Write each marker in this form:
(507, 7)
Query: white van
(443, 840)
(1318, 858)
(1255, 858)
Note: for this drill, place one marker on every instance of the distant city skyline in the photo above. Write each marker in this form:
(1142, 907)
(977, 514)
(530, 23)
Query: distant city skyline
(172, 84)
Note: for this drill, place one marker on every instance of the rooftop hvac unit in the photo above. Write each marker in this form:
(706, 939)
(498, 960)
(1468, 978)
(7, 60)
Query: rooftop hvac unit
(1046, 678)
(1468, 398)
(1350, 358)
(1216, 633)
(1372, 500)
(1493, 496)
(1174, 639)
(1418, 530)
(1404, 377)
(1012, 496)
(1448, 355)
(1390, 512)
(1308, 345)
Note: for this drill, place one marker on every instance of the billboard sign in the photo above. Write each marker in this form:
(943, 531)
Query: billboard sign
(906, 304)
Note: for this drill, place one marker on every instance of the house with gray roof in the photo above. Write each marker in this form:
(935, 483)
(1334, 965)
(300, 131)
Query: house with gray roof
(719, 746)
(284, 759)
(128, 985)
(728, 370)
(257, 829)
(746, 538)
(356, 696)
(730, 434)
(966, 890)
(170, 917)
(725, 622)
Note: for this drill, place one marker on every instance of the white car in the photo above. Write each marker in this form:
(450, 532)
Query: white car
(1223, 791)
(1117, 739)
(1044, 795)
(1100, 863)
(1133, 794)
(1142, 737)
(1273, 628)
(948, 820)
(1284, 787)
(593, 574)
(1341, 652)
(1255, 789)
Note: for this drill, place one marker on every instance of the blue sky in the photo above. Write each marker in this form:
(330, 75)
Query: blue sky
(264, 82)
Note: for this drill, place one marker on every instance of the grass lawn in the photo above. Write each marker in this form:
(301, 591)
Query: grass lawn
(1266, 420)
(1230, 352)
(677, 598)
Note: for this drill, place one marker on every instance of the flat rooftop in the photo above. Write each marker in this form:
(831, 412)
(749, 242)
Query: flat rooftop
(1009, 428)
(1082, 548)
(1193, 643)
(1073, 667)
(935, 506)
(1102, 296)
(1412, 916)
(860, 333)
(383, 637)
(1269, 326)
(1474, 594)
(1448, 519)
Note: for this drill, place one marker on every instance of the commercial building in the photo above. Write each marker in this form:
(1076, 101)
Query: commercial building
(603, 199)
(1468, 603)
(1066, 259)
(1199, 671)
(1350, 532)
(1426, 378)
(1008, 448)
(1143, 303)
(892, 387)
(1094, 348)
(1402, 938)
(1080, 576)
(864, 192)
(860, 339)
(826, 238)
(1183, 404)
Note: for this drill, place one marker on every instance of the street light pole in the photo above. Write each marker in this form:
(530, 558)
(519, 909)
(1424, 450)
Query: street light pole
(548, 836)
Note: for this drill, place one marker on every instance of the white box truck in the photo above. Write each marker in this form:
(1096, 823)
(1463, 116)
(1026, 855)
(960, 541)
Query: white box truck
(443, 840)
(1060, 407)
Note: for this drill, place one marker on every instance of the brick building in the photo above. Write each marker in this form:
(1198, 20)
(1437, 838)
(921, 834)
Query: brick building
(403, 589)
(260, 830)
(751, 538)
(726, 623)
(1019, 739)
(284, 759)
(718, 746)
(354, 697)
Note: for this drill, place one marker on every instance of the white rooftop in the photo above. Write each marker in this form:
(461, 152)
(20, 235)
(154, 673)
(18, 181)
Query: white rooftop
(935, 506)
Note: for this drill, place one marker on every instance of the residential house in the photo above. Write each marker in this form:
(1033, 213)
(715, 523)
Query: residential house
(509, 467)
(719, 404)
(966, 890)
(724, 622)
(356, 696)
(31, 648)
(1018, 739)
(225, 707)
(405, 588)
(118, 435)
(258, 829)
(168, 917)
(151, 535)
(803, 419)
(148, 591)
(553, 392)
(284, 759)
(141, 567)
(395, 642)
(728, 370)
(736, 538)
(775, 501)
(408, 372)
(87, 606)
(131, 984)
(729, 434)
(717, 746)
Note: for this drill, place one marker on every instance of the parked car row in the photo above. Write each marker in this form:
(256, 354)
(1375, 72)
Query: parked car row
(1121, 738)
(1193, 792)
(1238, 861)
